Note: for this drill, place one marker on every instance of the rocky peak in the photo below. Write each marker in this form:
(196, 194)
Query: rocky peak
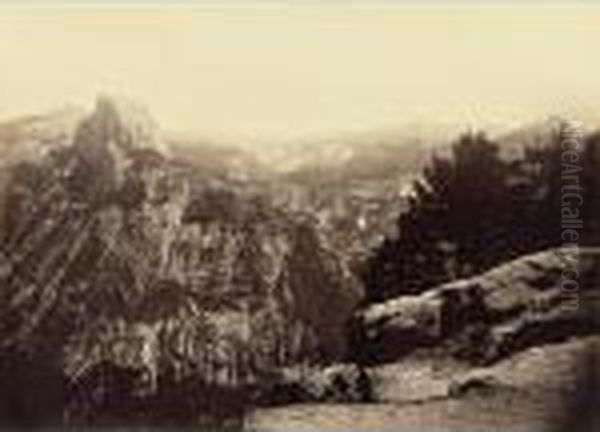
(122, 124)
(107, 142)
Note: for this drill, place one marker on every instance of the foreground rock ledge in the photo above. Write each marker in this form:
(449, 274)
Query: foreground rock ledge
(488, 317)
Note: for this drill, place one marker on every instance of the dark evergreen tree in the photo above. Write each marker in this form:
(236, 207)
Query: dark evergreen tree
(458, 222)
(469, 212)
(474, 209)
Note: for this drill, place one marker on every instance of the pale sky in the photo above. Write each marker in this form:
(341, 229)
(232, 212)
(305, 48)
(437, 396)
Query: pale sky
(288, 72)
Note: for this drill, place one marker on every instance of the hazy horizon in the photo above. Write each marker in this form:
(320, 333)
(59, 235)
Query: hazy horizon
(281, 74)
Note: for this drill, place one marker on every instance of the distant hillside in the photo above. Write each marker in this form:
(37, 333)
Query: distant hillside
(212, 159)
(30, 138)
(357, 185)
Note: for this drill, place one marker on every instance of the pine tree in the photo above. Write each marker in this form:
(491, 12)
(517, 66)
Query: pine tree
(456, 224)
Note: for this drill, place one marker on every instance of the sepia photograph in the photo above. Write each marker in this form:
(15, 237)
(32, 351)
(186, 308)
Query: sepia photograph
(309, 216)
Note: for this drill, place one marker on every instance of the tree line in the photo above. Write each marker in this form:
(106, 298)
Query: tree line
(477, 207)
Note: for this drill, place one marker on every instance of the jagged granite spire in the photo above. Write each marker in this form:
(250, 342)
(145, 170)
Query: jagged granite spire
(105, 142)
(122, 123)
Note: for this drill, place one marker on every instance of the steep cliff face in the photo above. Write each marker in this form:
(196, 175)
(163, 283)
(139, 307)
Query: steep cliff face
(113, 252)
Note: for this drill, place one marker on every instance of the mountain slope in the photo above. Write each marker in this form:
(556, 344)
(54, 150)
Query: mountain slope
(113, 252)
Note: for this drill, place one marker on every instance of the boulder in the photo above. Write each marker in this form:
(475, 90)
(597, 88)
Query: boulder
(410, 380)
(340, 383)
(390, 329)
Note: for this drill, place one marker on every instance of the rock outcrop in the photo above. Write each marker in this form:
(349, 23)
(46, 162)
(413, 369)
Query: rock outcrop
(485, 318)
(511, 337)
